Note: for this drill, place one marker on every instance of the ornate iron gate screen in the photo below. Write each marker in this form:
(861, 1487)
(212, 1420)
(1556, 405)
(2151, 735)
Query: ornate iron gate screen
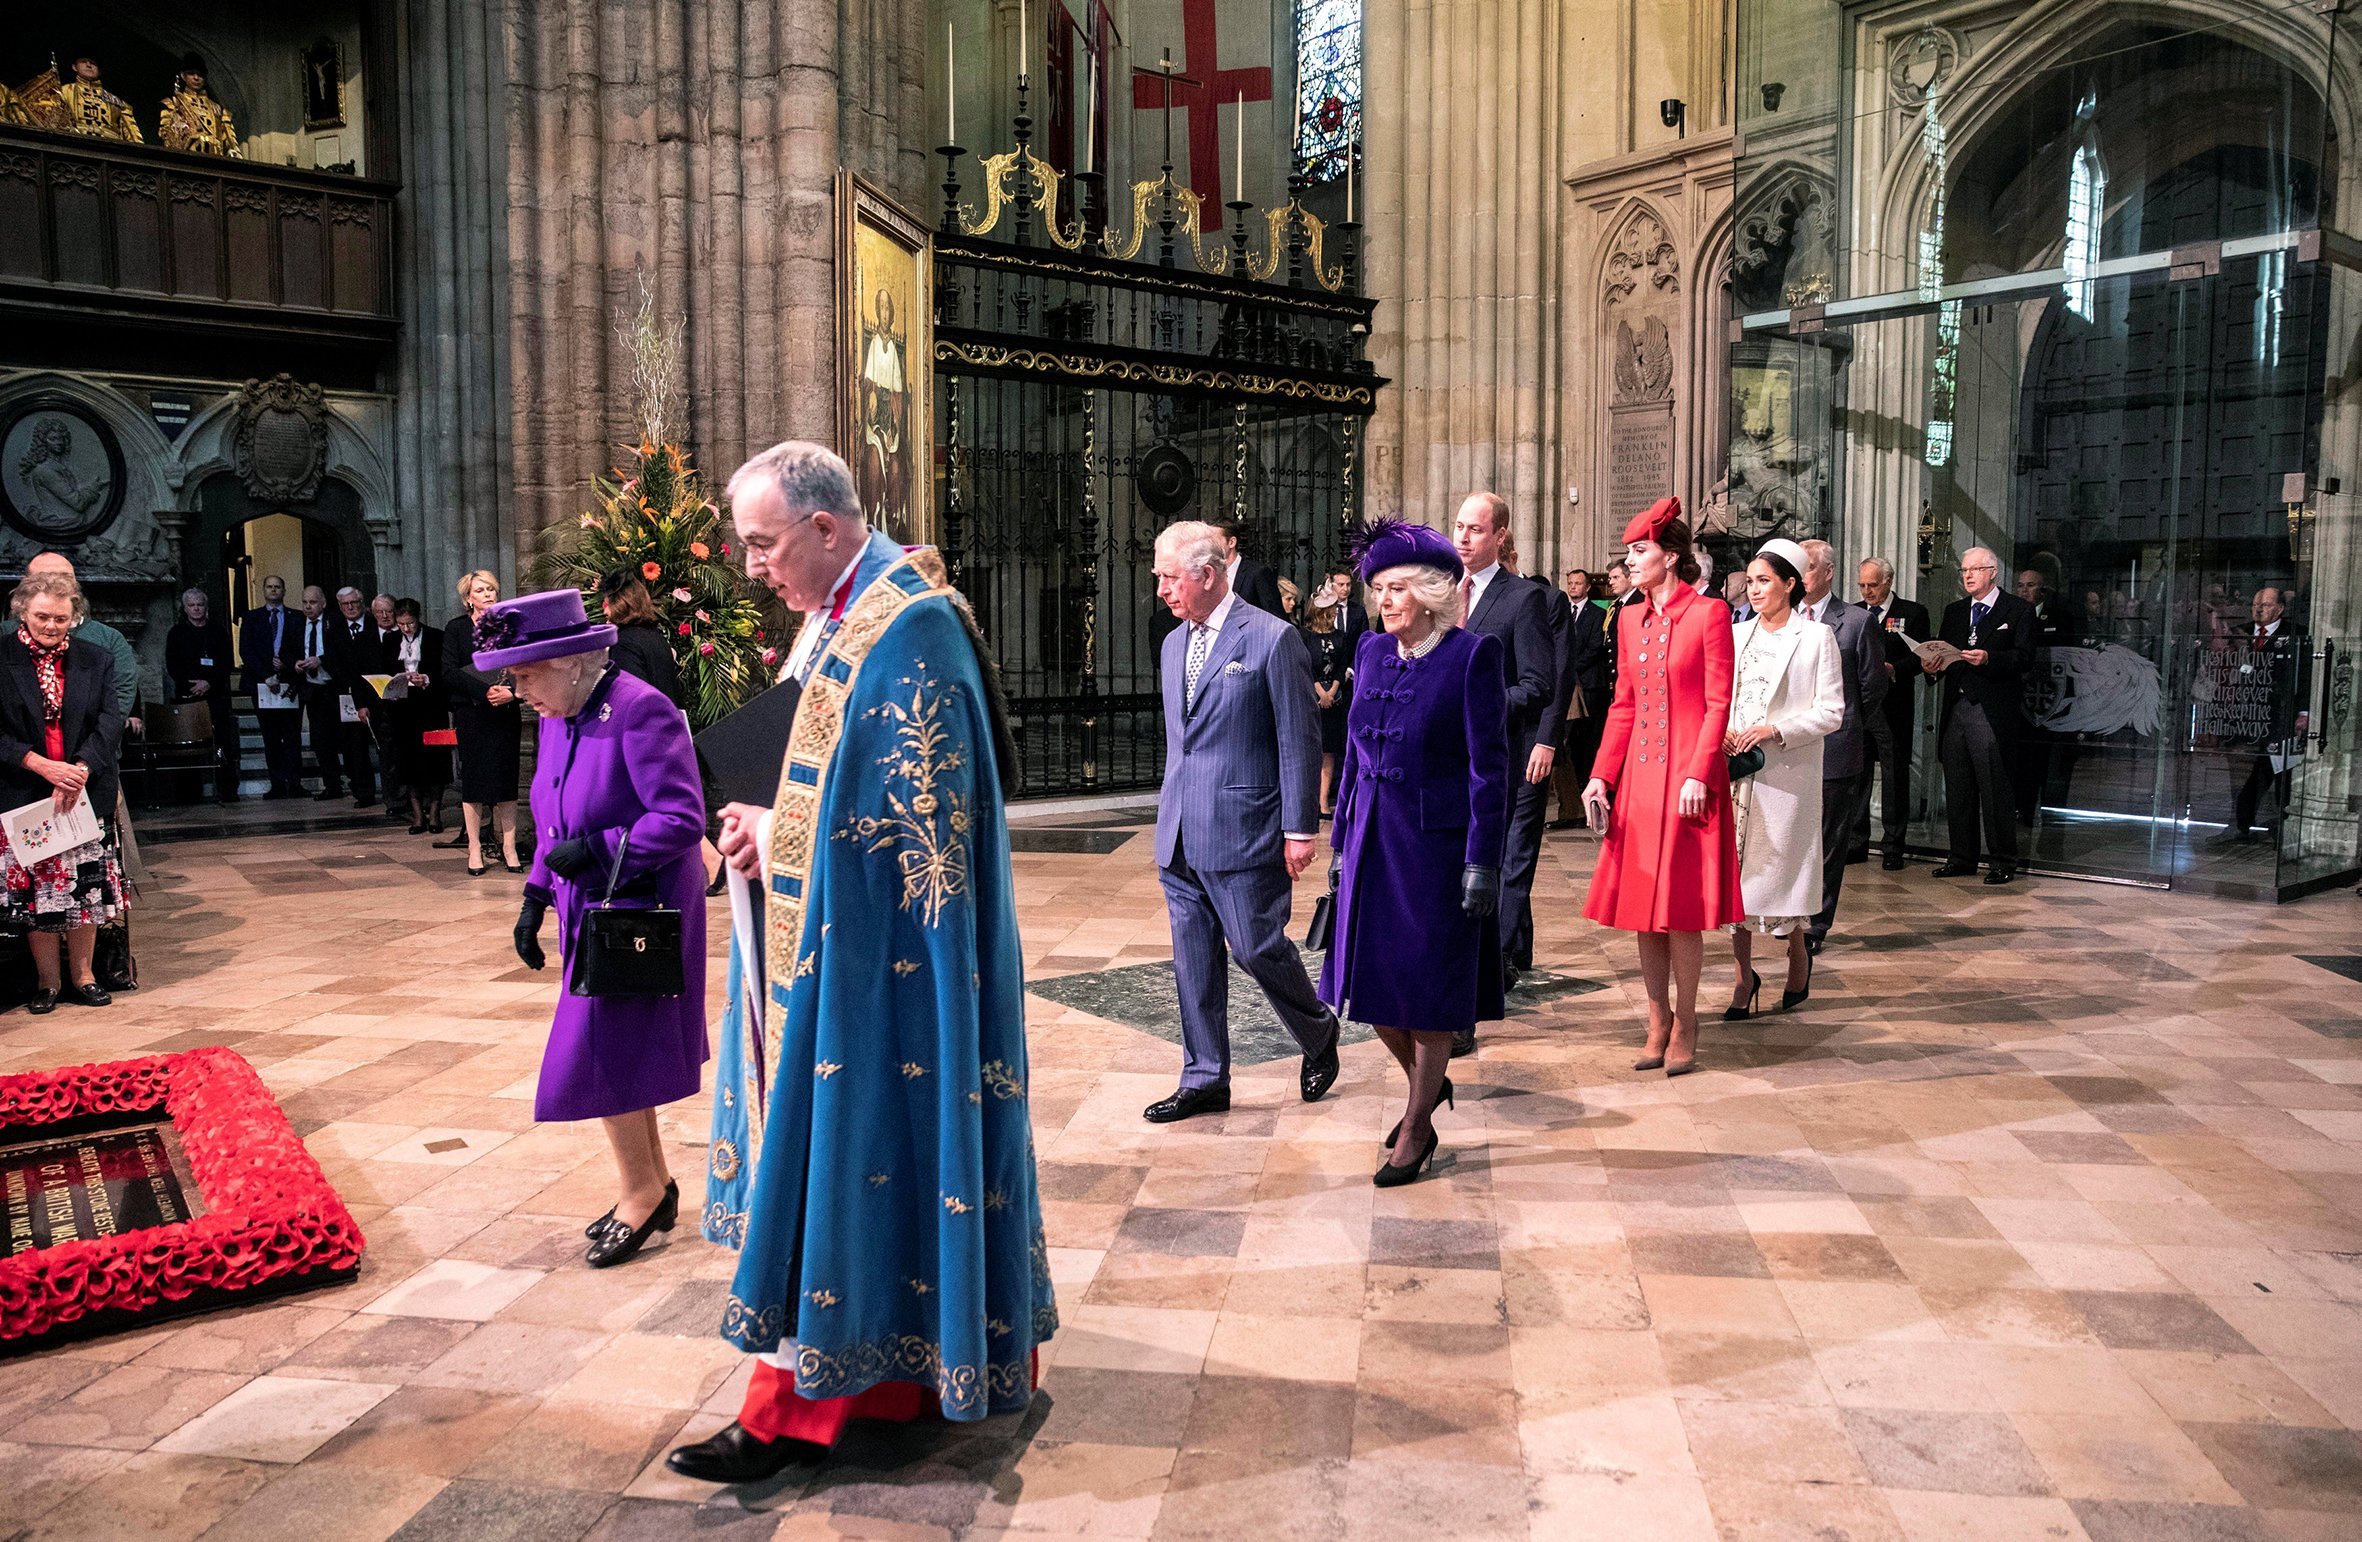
(1090, 389)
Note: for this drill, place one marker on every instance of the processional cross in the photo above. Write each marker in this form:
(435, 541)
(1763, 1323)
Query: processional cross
(1206, 88)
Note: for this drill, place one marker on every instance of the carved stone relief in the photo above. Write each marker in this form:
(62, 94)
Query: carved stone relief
(282, 439)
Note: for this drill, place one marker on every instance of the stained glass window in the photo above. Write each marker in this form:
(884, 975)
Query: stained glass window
(1328, 86)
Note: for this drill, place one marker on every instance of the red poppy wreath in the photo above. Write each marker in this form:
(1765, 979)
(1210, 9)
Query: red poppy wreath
(151, 1188)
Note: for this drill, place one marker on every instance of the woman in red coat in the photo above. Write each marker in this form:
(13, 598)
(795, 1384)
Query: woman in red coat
(1669, 867)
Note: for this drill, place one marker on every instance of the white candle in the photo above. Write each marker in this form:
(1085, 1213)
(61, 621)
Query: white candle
(1024, 46)
(1091, 121)
(951, 89)
(1350, 168)
(1238, 158)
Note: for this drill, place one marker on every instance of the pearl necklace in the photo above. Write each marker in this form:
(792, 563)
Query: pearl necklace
(1422, 650)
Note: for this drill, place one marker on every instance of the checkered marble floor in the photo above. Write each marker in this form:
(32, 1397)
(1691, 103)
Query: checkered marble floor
(2042, 1219)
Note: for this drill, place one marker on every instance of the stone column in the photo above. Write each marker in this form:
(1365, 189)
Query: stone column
(451, 373)
(697, 144)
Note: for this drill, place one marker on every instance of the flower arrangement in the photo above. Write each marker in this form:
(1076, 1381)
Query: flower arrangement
(272, 1223)
(654, 519)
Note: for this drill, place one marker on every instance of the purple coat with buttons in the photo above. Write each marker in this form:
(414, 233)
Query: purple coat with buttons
(1422, 793)
(622, 766)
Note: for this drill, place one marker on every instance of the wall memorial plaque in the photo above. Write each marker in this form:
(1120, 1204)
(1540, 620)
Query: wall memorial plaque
(61, 470)
(1640, 459)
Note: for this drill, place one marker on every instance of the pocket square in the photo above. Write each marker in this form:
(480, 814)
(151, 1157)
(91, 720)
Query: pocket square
(1234, 667)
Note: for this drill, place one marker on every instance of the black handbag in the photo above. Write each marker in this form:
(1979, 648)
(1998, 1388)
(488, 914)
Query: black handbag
(1323, 929)
(1745, 763)
(626, 950)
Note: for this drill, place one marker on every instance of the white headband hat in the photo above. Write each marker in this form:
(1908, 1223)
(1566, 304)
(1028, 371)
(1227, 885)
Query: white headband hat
(1787, 551)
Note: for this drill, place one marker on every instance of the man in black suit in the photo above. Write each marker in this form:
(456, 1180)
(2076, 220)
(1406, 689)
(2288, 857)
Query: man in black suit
(1984, 713)
(268, 636)
(320, 690)
(1518, 946)
(377, 652)
(197, 668)
(1585, 667)
(2273, 648)
(2043, 759)
(1351, 615)
(1501, 605)
(349, 656)
(1894, 727)
(1250, 580)
(1845, 754)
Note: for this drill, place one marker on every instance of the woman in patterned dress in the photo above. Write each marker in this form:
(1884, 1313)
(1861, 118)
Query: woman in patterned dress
(59, 727)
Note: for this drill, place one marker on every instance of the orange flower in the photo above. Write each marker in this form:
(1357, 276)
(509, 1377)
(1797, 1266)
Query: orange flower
(650, 571)
(697, 550)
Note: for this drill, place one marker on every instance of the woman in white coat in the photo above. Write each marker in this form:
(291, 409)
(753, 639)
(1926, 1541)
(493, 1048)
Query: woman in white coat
(1788, 696)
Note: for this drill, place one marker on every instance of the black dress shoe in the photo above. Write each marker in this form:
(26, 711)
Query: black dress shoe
(1463, 1044)
(731, 1455)
(1510, 976)
(85, 996)
(1188, 1103)
(1857, 856)
(613, 1242)
(43, 1002)
(1957, 870)
(1893, 862)
(1998, 875)
(1320, 1071)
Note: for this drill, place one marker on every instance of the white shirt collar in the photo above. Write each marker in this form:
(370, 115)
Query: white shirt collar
(1480, 580)
(1213, 623)
(2269, 628)
(1987, 597)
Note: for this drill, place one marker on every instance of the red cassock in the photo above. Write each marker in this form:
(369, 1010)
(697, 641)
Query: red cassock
(1659, 872)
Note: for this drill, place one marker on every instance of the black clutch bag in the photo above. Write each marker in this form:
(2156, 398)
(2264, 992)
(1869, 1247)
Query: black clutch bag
(626, 950)
(1745, 764)
(1323, 930)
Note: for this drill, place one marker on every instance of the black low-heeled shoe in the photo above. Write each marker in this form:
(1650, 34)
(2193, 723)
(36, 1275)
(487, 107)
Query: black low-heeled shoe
(1754, 993)
(1390, 1176)
(1443, 1098)
(42, 1002)
(91, 995)
(732, 1455)
(418, 828)
(615, 1242)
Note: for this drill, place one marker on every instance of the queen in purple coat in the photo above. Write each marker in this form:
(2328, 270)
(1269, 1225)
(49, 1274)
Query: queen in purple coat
(616, 772)
(1422, 805)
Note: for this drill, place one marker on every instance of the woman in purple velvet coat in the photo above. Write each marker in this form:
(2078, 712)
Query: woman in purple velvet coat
(1422, 808)
(616, 770)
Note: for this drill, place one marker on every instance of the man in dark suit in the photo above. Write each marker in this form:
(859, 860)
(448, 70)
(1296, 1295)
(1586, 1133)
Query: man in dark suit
(2043, 760)
(197, 668)
(2273, 648)
(267, 653)
(1984, 712)
(1585, 665)
(1352, 616)
(1237, 817)
(378, 652)
(1518, 946)
(350, 655)
(1894, 727)
(1845, 754)
(1502, 605)
(1249, 579)
(320, 691)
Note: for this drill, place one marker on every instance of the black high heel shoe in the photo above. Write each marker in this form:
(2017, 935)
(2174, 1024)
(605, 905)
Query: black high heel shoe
(1389, 1176)
(1754, 993)
(1793, 999)
(1443, 1095)
(613, 1242)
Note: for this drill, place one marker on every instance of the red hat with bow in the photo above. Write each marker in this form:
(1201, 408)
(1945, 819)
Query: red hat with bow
(1650, 522)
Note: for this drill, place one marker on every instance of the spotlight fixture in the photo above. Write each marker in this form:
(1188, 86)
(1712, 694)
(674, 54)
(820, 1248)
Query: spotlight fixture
(1773, 90)
(1672, 110)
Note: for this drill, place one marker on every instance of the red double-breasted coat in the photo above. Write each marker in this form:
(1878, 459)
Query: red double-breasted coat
(1660, 872)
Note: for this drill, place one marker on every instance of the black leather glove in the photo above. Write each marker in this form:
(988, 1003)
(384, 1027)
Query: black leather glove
(570, 859)
(1480, 890)
(1336, 866)
(528, 932)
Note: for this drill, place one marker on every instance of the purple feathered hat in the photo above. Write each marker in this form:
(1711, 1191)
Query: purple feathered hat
(1392, 543)
(533, 627)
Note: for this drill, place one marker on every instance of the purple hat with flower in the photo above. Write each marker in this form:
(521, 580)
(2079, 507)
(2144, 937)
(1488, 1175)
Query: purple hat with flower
(1393, 543)
(533, 627)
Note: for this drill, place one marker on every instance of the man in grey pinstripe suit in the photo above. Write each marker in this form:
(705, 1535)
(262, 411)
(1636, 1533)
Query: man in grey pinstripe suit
(1236, 820)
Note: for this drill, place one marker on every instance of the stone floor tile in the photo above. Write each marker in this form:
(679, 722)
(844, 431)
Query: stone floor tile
(1466, 1425)
(1663, 1507)
(468, 1511)
(127, 1409)
(2278, 1467)
(435, 1431)
(1747, 1508)
(1929, 1517)
(328, 1504)
(455, 1288)
(154, 1496)
(2122, 1456)
(2203, 1388)
(276, 1418)
(1220, 1496)
(1770, 1442)
(585, 1445)
(365, 1347)
(1298, 1349)
(1396, 1497)
(1956, 1453)
(2117, 1520)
